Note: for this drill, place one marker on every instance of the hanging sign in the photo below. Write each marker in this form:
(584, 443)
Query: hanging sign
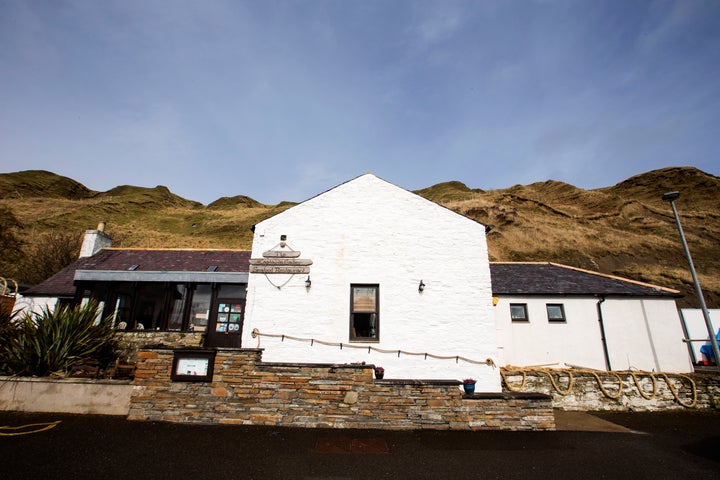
(279, 269)
(281, 254)
(281, 261)
(280, 265)
(287, 262)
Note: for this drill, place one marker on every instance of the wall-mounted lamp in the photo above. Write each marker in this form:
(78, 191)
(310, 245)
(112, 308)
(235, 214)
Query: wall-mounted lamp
(308, 283)
(421, 287)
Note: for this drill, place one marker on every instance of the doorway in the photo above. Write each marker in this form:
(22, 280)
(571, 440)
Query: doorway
(227, 312)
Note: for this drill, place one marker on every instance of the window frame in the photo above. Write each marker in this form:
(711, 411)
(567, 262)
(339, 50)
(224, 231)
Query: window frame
(351, 327)
(561, 306)
(122, 300)
(526, 317)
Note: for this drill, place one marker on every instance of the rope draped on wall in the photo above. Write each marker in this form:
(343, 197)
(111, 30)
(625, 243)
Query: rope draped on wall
(256, 334)
(554, 374)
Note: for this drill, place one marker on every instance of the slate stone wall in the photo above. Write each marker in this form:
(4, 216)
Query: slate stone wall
(131, 342)
(618, 391)
(246, 391)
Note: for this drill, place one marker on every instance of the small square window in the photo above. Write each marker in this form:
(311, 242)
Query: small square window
(518, 312)
(555, 312)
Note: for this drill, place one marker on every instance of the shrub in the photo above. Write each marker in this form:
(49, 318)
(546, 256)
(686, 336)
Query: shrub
(8, 333)
(53, 341)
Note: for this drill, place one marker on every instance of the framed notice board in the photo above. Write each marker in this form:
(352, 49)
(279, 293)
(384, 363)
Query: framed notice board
(193, 366)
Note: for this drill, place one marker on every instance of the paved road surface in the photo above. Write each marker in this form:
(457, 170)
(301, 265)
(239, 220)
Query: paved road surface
(676, 445)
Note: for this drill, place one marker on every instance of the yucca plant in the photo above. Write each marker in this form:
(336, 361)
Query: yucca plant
(53, 341)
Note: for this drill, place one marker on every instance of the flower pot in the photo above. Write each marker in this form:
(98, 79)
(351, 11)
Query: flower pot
(469, 388)
(379, 375)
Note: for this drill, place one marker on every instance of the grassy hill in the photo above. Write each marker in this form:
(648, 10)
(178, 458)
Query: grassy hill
(624, 229)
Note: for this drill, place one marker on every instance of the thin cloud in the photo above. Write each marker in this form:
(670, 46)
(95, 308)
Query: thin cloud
(281, 100)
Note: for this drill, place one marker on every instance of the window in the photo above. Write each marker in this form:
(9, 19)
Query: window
(555, 312)
(178, 296)
(364, 313)
(122, 319)
(200, 308)
(518, 312)
(160, 306)
(150, 302)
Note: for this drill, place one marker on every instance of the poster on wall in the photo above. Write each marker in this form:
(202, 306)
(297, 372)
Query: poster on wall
(193, 365)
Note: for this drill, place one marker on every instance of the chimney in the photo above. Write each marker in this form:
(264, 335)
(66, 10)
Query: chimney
(94, 241)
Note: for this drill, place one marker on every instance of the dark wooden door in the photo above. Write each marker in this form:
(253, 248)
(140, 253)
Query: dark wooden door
(226, 322)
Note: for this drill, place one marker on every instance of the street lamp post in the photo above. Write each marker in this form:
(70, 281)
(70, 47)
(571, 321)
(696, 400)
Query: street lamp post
(671, 197)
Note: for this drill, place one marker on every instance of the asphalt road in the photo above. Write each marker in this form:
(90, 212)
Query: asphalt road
(681, 445)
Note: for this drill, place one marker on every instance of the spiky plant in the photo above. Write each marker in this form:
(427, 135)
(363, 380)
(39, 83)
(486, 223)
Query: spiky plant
(8, 332)
(54, 340)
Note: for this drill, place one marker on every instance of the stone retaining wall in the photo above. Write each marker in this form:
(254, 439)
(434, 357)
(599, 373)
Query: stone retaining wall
(246, 391)
(671, 391)
(131, 342)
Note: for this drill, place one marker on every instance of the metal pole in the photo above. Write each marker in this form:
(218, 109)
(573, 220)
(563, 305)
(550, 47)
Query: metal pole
(698, 290)
(603, 338)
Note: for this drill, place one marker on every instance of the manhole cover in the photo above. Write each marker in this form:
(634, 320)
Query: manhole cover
(351, 445)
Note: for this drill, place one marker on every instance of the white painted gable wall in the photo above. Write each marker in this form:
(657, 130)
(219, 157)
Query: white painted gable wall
(370, 231)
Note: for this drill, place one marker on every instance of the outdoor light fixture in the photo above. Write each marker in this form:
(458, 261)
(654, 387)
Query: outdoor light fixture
(308, 283)
(671, 197)
(421, 287)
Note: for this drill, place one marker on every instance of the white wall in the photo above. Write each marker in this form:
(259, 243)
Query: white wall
(539, 342)
(34, 304)
(370, 231)
(643, 334)
(696, 327)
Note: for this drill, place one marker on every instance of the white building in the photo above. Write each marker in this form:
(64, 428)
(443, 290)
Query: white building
(554, 315)
(369, 272)
(697, 330)
(387, 270)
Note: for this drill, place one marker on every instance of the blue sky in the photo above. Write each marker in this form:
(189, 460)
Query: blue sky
(281, 100)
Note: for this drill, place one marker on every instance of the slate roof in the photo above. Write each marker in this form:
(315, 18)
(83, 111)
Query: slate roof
(153, 260)
(507, 278)
(555, 279)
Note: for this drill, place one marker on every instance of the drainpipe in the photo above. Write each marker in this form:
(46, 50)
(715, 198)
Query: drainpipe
(602, 333)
